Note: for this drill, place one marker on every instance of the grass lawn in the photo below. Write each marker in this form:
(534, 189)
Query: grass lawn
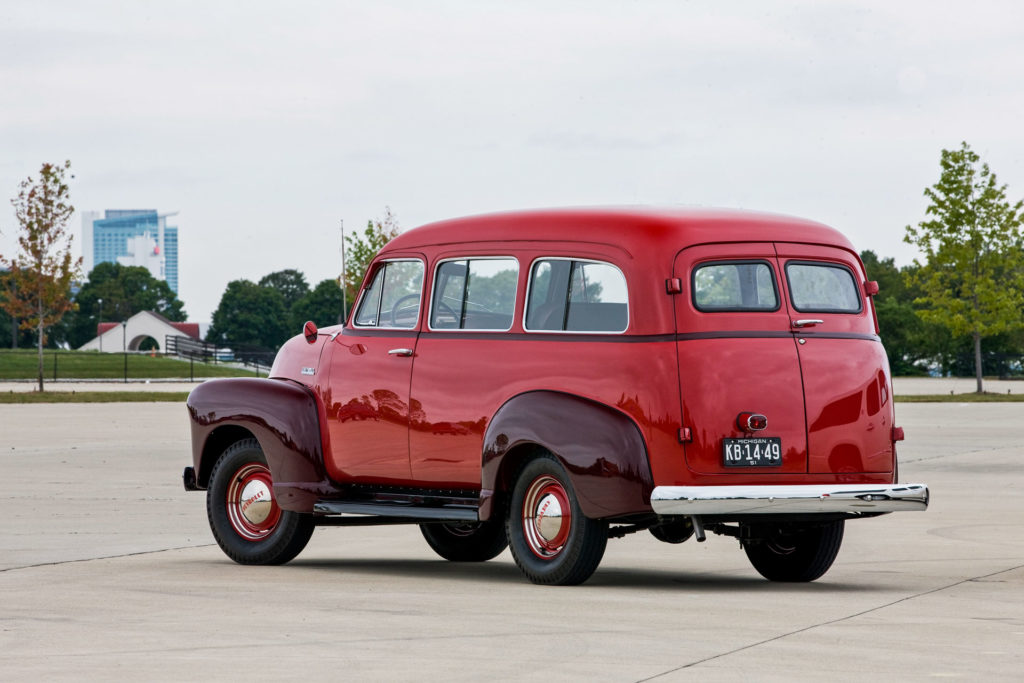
(60, 365)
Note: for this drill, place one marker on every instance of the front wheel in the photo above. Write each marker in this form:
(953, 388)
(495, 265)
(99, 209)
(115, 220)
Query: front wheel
(795, 555)
(551, 540)
(245, 518)
(466, 542)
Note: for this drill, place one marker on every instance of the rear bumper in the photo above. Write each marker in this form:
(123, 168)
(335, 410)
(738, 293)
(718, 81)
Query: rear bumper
(758, 500)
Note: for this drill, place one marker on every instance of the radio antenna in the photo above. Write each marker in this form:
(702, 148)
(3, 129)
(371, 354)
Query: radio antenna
(344, 295)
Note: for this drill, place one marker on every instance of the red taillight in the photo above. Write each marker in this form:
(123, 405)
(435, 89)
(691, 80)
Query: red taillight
(751, 422)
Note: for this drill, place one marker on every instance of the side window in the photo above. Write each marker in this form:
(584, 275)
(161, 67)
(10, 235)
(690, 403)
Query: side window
(576, 296)
(474, 294)
(822, 288)
(393, 297)
(734, 286)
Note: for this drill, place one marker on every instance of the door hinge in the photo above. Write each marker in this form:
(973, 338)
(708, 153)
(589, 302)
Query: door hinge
(674, 285)
(685, 435)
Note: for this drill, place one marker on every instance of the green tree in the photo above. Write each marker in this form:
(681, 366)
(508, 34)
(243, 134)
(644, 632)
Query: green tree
(249, 315)
(39, 284)
(887, 274)
(902, 330)
(973, 280)
(360, 250)
(290, 283)
(322, 306)
(115, 293)
(10, 330)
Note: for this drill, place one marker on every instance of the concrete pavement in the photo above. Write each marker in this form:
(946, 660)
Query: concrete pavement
(107, 570)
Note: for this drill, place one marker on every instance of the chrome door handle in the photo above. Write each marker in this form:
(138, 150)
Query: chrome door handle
(400, 352)
(807, 323)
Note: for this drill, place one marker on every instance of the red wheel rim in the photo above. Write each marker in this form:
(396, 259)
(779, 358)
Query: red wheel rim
(252, 508)
(547, 517)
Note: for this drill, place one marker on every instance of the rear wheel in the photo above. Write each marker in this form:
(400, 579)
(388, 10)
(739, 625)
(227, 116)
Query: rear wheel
(551, 540)
(244, 516)
(795, 554)
(466, 542)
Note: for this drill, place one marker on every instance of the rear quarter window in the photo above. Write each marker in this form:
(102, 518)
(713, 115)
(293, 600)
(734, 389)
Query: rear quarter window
(570, 295)
(822, 288)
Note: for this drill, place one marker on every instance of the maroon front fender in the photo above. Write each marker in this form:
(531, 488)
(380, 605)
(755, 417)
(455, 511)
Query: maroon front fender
(283, 415)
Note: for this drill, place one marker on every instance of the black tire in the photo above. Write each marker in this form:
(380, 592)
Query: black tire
(254, 531)
(466, 542)
(796, 555)
(561, 552)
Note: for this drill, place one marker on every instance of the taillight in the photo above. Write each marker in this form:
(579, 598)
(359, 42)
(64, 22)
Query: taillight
(751, 422)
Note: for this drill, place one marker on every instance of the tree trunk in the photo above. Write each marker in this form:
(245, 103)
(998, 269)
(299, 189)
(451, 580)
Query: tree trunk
(40, 330)
(977, 360)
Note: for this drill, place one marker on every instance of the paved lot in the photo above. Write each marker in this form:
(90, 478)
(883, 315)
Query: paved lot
(95, 385)
(107, 571)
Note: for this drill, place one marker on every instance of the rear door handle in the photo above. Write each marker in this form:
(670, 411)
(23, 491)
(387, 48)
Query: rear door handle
(400, 352)
(807, 323)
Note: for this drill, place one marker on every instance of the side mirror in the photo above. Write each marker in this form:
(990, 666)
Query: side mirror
(309, 331)
(871, 288)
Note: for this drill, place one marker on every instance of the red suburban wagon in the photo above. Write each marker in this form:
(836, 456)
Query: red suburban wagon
(548, 380)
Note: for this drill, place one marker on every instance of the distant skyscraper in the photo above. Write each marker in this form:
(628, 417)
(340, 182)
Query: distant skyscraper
(132, 238)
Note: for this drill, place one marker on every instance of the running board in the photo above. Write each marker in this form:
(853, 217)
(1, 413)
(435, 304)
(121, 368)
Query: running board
(413, 513)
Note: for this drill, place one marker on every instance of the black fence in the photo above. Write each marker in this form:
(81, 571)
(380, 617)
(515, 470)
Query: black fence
(254, 357)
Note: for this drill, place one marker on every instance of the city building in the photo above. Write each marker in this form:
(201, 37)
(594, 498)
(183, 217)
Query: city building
(132, 237)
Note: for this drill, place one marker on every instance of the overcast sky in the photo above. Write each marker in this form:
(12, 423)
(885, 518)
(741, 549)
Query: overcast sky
(265, 123)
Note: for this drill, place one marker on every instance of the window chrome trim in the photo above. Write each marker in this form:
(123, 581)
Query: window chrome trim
(529, 286)
(362, 294)
(433, 286)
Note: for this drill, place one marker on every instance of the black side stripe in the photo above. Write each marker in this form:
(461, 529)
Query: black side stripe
(637, 338)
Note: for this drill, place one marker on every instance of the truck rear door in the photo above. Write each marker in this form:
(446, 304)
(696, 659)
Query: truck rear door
(738, 357)
(847, 386)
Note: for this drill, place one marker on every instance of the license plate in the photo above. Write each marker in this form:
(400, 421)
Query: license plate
(761, 451)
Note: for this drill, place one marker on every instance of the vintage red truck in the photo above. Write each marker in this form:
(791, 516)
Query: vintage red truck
(547, 380)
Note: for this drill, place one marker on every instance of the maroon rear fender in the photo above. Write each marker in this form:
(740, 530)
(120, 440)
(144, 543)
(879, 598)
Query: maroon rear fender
(283, 415)
(601, 448)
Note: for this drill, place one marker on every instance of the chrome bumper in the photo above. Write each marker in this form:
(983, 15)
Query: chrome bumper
(758, 500)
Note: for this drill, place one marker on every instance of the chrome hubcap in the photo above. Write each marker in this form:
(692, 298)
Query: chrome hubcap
(547, 517)
(252, 509)
(256, 502)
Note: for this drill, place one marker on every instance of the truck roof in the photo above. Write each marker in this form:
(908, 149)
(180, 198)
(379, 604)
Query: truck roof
(635, 229)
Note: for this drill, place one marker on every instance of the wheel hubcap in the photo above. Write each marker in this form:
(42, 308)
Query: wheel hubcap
(252, 508)
(547, 517)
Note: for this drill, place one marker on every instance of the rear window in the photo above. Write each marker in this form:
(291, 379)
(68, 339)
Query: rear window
(735, 286)
(567, 295)
(822, 288)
